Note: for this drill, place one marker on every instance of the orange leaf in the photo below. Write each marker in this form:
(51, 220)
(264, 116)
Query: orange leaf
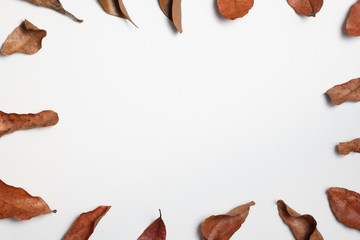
(307, 8)
(232, 9)
(116, 8)
(349, 91)
(353, 22)
(345, 148)
(156, 231)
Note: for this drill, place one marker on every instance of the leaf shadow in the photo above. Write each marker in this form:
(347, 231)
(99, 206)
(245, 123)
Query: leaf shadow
(217, 12)
(198, 231)
(344, 32)
(328, 100)
(336, 150)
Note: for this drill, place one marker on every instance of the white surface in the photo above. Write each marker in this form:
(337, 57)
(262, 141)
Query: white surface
(194, 124)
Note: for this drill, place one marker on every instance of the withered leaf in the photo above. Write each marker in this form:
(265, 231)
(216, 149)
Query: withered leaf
(26, 38)
(55, 5)
(353, 22)
(349, 91)
(222, 227)
(156, 231)
(11, 122)
(116, 8)
(166, 7)
(345, 148)
(345, 205)
(232, 9)
(302, 226)
(17, 203)
(85, 224)
(172, 9)
(307, 8)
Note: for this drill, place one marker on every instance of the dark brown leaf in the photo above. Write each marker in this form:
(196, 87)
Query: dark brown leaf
(172, 9)
(166, 7)
(116, 8)
(353, 22)
(307, 8)
(345, 148)
(232, 9)
(349, 91)
(156, 231)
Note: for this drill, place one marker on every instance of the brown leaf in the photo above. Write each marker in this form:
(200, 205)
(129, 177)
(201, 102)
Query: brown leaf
(345, 205)
(302, 226)
(85, 224)
(345, 148)
(17, 203)
(166, 7)
(55, 5)
(26, 38)
(222, 227)
(349, 91)
(11, 122)
(232, 9)
(172, 9)
(353, 22)
(116, 8)
(156, 231)
(307, 8)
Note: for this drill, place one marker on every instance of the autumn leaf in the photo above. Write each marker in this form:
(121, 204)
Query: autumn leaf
(11, 122)
(349, 91)
(302, 226)
(116, 8)
(55, 5)
(172, 9)
(222, 227)
(232, 9)
(17, 203)
(26, 38)
(353, 22)
(345, 148)
(156, 231)
(307, 8)
(85, 224)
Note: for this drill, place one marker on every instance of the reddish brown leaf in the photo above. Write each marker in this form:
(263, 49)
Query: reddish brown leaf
(345, 205)
(222, 227)
(345, 148)
(116, 8)
(17, 203)
(156, 231)
(232, 9)
(302, 226)
(349, 91)
(85, 224)
(26, 38)
(307, 8)
(353, 22)
(172, 9)
(55, 5)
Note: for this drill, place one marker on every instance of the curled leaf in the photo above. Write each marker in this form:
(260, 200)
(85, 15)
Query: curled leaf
(116, 8)
(222, 227)
(156, 231)
(85, 224)
(55, 5)
(26, 38)
(302, 226)
(349, 91)
(232, 9)
(172, 9)
(345, 205)
(17, 203)
(353, 22)
(345, 148)
(11, 122)
(307, 8)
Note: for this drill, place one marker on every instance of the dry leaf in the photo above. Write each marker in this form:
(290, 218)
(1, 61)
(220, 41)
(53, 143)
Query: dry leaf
(345, 205)
(302, 226)
(116, 8)
(349, 91)
(166, 7)
(353, 22)
(11, 122)
(85, 224)
(345, 148)
(222, 227)
(55, 5)
(307, 8)
(172, 9)
(26, 38)
(156, 231)
(232, 9)
(17, 203)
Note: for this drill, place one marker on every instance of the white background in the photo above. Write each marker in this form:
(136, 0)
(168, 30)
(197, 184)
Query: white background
(194, 124)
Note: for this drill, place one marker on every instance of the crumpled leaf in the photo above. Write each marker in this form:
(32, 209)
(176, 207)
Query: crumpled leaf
(156, 231)
(345, 205)
(222, 227)
(172, 9)
(349, 91)
(17, 203)
(116, 8)
(11, 122)
(26, 38)
(55, 5)
(345, 148)
(232, 9)
(353, 22)
(307, 8)
(85, 224)
(302, 226)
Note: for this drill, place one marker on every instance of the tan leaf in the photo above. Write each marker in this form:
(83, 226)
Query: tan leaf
(345, 148)
(172, 9)
(302, 226)
(222, 227)
(26, 38)
(353, 22)
(307, 8)
(116, 8)
(156, 231)
(232, 9)
(85, 224)
(11, 122)
(17, 203)
(349, 91)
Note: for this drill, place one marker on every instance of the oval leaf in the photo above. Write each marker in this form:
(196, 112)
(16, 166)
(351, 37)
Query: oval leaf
(349, 91)
(345, 148)
(116, 8)
(353, 22)
(156, 231)
(307, 8)
(176, 15)
(232, 9)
